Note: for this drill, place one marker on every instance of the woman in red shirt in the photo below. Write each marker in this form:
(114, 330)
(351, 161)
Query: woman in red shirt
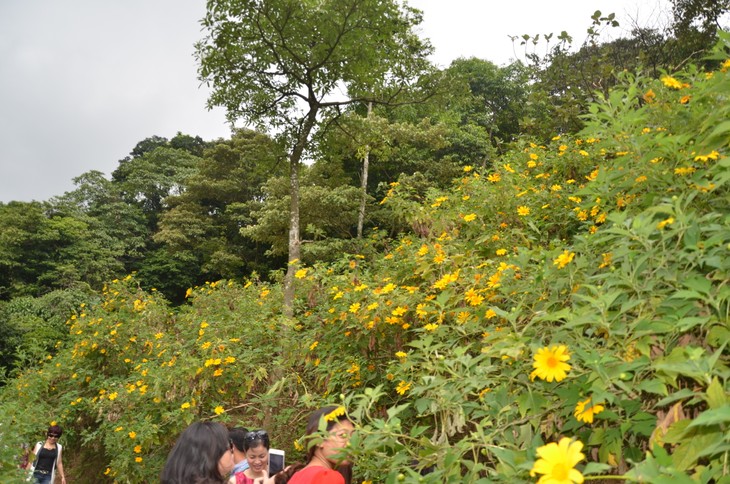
(324, 464)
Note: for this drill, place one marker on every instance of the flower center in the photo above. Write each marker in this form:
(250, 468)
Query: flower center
(560, 472)
(552, 362)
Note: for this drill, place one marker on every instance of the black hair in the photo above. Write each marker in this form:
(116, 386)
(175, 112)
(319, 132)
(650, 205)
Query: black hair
(256, 438)
(238, 437)
(195, 456)
(345, 469)
(55, 429)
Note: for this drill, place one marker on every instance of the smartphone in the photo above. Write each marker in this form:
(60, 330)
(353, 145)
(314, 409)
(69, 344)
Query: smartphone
(276, 461)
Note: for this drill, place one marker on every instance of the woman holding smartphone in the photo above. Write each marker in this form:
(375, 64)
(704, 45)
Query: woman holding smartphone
(256, 447)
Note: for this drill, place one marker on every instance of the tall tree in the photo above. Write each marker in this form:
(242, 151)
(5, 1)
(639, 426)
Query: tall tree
(102, 201)
(23, 257)
(374, 150)
(204, 222)
(328, 212)
(364, 183)
(695, 27)
(45, 247)
(148, 179)
(287, 65)
(493, 101)
(703, 16)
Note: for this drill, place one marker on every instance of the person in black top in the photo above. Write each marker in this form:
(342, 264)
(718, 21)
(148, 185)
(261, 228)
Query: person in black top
(48, 458)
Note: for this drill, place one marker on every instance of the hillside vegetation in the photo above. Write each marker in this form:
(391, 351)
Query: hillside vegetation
(574, 289)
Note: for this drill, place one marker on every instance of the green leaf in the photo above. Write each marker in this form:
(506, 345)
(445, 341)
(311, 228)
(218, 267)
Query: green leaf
(422, 404)
(418, 430)
(712, 417)
(690, 450)
(596, 468)
(685, 324)
(677, 432)
(686, 294)
(393, 411)
(653, 386)
(721, 129)
(674, 478)
(686, 361)
(718, 334)
(680, 395)
(699, 284)
(716, 355)
(716, 397)
(443, 298)
(505, 456)
(718, 448)
(530, 403)
(596, 437)
(661, 455)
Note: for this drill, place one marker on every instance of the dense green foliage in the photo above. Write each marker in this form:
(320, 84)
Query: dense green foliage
(610, 245)
(572, 206)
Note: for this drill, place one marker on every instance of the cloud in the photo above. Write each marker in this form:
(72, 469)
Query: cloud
(82, 81)
(480, 28)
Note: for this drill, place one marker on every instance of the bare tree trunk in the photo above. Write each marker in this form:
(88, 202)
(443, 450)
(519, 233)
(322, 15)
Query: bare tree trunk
(364, 184)
(294, 240)
(295, 243)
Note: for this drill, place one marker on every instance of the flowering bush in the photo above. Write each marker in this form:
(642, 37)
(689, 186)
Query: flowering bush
(559, 316)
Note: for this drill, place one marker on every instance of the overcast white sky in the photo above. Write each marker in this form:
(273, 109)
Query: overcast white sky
(82, 81)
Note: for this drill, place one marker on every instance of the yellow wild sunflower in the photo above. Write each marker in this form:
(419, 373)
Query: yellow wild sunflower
(550, 363)
(403, 387)
(671, 82)
(557, 462)
(564, 259)
(584, 412)
(335, 414)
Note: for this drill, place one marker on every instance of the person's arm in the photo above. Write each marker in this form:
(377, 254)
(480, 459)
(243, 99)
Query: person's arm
(33, 456)
(59, 466)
